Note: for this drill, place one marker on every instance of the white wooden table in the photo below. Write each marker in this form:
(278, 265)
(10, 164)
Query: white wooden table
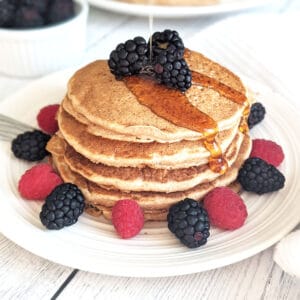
(26, 276)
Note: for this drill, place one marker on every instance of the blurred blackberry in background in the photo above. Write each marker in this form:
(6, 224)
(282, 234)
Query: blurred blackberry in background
(60, 10)
(7, 13)
(28, 17)
(128, 58)
(39, 5)
(34, 13)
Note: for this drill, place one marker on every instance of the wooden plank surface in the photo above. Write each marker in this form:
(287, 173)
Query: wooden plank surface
(254, 278)
(27, 276)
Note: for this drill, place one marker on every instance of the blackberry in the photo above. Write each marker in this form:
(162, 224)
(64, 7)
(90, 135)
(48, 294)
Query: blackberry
(7, 13)
(257, 114)
(30, 145)
(166, 64)
(40, 5)
(174, 74)
(259, 177)
(188, 220)
(28, 17)
(128, 58)
(60, 10)
(167, 41)
(62, 207)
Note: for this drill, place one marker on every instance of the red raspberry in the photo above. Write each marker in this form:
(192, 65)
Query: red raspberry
(225, 208)
(127, 218)
(37, 182)
(46, 118)
(267, 150)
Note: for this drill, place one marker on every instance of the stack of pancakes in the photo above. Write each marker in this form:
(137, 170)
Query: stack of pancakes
(113, 147)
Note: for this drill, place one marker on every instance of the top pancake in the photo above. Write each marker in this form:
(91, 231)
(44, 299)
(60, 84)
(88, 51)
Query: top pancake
(95, 94)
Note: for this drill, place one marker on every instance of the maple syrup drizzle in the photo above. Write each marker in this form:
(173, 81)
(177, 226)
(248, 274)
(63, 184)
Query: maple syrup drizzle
(227, 92)
(174, 106)
(217, 162)
(171, 105)
(221, 88)
(243, 127)
(150, 21)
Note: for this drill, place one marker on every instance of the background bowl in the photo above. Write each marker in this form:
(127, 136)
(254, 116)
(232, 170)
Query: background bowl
(35, 52)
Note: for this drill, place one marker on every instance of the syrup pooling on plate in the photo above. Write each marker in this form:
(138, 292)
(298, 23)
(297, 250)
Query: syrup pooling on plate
(174, 106)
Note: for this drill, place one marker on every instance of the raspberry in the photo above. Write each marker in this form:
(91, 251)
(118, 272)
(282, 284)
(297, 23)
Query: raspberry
(63, 207)
(46, 118)
(225, 208)
(259, 177)
(267, 150)
(189, 221)
(127, 218)
(37, 182)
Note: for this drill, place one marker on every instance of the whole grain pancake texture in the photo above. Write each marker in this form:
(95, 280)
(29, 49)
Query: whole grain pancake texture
(113, 146)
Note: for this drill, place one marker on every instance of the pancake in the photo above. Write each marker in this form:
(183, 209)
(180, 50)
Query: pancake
(137, 139)
(149, 215)
(149, 201)
(92, 82)
(127, 154)
(142, 179)
(98, 130)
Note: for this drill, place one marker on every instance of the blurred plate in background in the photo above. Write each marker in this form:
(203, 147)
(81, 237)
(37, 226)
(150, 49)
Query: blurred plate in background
(177, 11)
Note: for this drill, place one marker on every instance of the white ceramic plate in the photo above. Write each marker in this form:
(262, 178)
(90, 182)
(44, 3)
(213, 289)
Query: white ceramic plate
(92, 245)
(176, 11)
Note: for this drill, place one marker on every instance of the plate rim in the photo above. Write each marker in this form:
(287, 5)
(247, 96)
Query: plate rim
(162, 11)
(220, 262)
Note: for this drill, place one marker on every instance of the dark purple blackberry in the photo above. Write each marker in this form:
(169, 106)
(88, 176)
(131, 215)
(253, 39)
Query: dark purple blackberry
(174, 74)
(60, 10)
(39, 5)
(128, 58)
(257, 114)
(62, 207)
(7, 13)
(30, 145)
(259, 177)
(167, 41)
(189, 221)
(28, 17)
